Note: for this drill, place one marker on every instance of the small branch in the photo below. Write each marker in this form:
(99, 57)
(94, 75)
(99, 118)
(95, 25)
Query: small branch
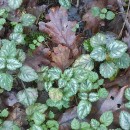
(126, 22)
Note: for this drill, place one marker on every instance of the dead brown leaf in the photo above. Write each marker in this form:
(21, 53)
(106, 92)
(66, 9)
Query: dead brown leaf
(66, 118)
(61, 57)
(59, 28)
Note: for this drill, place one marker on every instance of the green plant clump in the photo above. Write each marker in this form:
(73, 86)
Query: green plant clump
(102, 13)
(111, 54)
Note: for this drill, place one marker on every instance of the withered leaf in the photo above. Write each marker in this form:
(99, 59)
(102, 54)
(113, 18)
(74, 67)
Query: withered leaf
(114, 100)
(59, 28)
(66, 118)
(61, 57)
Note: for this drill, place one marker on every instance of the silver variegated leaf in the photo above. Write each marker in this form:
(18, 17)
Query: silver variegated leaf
(123, 62)
(83, 109)
(6, 81)
(27, 96)
(65, 3)
(14, 4)
(27, 19)
(124, 120)
(13, 64)
(27, 74)
(84, 61)
(8, 50)
(17, 37)
(98, 40)
(98, 54)
(2, 63)
(117, 48)
(108, 69)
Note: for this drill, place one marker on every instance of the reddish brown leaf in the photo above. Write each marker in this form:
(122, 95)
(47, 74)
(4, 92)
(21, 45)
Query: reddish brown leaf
(59, 28)
(114, 101)
(61, 57)
(66, 118)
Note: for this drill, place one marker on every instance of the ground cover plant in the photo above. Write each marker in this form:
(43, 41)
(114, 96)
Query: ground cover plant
(64, 65)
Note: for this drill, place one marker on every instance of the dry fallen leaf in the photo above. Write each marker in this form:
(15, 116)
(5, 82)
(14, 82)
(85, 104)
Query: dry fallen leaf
(61, 57)
(59, 28)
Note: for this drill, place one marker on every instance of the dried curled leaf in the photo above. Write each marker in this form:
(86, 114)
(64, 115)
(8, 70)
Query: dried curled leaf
(59, 28)
(61, 57)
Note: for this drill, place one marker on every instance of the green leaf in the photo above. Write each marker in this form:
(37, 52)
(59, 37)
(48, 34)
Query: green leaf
(2, 21)
(38, 118)
(62, 83)
(2, 63)
(27, 19)
(83, 96)
(28, 96)
(51, 115)
(85, 62)
(73, 86)
(127, 93)
(86, 87)
(55, 94)
(110, 15)
(65, 3)
(108, 69)
(98, 54)
(54, 73)
(94, 123)
(8, 50)
(102, 127)
(123, 62)
(104, 10)
(41, 39)
(52, 123)
(83, 109)
(14, 4)
(6, 81)
(37, 107)
(106, 118)
(18, 28)
(27, 74)
(124, 120)
(4, 113)
(48, 85)
(127, 105)
(93, 76)
(21, 56)
(36, 127)
(93, 97)
(102, 93)
(68, 73)
(116, 48)
(102, 16)
(80, 74)
(10, 125)
(32, 46)
(85, 126)
(95, 11)
(2, 11)
(98, 40)
(13, 64)
(75, 124)
(17, 37)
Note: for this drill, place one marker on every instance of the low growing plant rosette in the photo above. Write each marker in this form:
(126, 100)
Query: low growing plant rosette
(111, 54)
(63, 86)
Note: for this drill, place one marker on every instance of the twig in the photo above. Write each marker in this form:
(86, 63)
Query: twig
(126, 22)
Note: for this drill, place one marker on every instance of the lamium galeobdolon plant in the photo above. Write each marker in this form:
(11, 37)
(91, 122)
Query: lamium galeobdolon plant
(111, 54)
(72, 81)
(11, 57)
